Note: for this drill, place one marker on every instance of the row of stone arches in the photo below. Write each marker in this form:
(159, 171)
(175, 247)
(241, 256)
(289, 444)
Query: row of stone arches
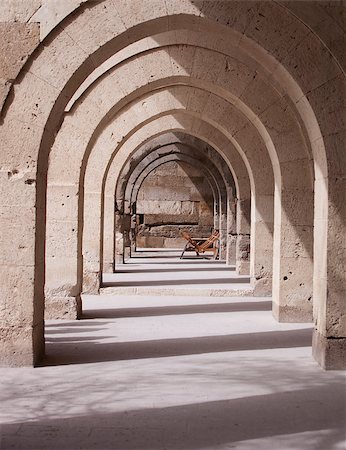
(114, 80)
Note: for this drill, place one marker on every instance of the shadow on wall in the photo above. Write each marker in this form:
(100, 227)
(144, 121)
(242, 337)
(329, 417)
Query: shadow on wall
(81, 350)
(278, 416)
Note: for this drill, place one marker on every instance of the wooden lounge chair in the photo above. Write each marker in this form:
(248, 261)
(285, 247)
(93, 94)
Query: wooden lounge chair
(201, 245)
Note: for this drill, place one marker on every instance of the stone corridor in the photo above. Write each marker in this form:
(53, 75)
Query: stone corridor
(174, 372)
(124, 125)
(128, 129)
(160, 271)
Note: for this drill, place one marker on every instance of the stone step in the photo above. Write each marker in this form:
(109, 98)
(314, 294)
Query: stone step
(236, 291)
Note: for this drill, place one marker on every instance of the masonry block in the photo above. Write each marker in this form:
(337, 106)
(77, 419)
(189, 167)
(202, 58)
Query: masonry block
(67, 308)
(330, 353)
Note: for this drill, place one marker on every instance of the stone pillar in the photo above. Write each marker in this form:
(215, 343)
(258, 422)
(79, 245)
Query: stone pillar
(118, 241)
(261, 244)
(223, 236)
(231, 232)
(126, 229)
(293, 256)
(329, 293)
(127, 245)
(64, 263)
(243, 209)
(132, 241)
(231, 249)
(243, 254)
(133, 230)
(92, 243)
(108, 234)
(22, 273)
(21, 236)
(216, 215)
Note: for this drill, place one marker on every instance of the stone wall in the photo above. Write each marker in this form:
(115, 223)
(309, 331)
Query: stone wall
(174, 197)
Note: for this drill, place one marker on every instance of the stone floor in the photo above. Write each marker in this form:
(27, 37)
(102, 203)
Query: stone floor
(161, 272)
(176, 373)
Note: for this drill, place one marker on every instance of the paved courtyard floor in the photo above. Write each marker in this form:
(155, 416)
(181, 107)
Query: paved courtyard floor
(155, 372)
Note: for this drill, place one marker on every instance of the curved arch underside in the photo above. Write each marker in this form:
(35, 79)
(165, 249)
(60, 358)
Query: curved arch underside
(251, 91)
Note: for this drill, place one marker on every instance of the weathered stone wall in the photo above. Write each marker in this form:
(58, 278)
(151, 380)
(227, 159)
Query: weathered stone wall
(174, 197)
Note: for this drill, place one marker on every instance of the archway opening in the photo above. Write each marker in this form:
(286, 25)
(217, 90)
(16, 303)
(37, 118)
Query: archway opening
(174, 197)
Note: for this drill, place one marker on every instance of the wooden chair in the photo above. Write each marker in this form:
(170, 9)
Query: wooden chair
(201, 245)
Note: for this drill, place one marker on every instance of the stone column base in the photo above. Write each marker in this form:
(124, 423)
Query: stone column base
(230, 261)
(91, 282)
(108, 267)
(330, 353)
(262, 287)
(291, 314)
(21, 345)
(243, 267)
(118, 261)
(69, 308)
(127, 253)
(231, 249)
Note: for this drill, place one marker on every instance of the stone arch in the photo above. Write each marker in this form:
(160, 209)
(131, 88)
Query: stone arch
(93, 178)
(311, 107)
(219, 202)
(222, 195)
(186, 124)
(208, 155)
(186, 136)
(260, 277)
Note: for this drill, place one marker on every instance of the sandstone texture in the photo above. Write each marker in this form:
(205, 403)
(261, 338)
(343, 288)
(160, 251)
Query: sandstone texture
(122, 124)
